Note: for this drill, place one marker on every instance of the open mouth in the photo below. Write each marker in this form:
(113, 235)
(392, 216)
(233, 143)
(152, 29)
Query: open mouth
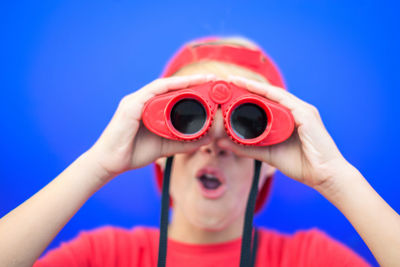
(212, 182)
(209, 181)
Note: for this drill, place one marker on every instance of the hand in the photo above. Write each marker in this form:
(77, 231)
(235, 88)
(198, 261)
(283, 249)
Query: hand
(126, 143)
(310, 155)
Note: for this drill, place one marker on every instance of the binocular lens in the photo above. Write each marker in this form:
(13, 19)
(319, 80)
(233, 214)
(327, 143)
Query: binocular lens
(188, 116)
(249, 121)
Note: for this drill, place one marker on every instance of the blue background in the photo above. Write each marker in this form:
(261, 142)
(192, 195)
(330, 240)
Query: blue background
(65, 65)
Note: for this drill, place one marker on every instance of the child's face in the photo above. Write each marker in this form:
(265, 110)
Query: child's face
(212, 209)
(225, 204)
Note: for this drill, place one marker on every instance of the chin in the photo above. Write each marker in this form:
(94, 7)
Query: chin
(210, 219)
(210, 224)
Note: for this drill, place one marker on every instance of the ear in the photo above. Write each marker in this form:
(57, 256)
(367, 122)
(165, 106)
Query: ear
(161, 162)
(265, 172)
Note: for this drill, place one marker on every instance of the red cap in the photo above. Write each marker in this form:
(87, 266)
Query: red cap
(254, 59)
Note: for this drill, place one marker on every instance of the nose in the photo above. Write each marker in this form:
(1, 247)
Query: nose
(216, 132)
(214, 150)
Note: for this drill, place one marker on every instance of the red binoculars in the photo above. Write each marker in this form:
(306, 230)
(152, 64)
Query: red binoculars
(249, 119)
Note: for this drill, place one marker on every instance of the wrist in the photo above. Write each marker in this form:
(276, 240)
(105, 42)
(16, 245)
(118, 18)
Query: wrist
(341, 180)
(95, 171)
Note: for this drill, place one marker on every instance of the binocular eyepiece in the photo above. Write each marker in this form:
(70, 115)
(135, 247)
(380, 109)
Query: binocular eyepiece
(248, 120)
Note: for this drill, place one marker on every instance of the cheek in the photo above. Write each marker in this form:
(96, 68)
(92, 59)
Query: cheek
(243, 181)
(242, 175)
(181, 177)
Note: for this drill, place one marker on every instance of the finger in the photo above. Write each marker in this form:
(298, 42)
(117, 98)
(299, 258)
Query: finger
(135, 101)
(301, 110)
(164, 85)
(181, 82)
(274, 93)
(172, 147)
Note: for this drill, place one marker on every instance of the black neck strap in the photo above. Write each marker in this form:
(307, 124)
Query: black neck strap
(245, 254)
(162, 245)
(247, 257)
(254, 248)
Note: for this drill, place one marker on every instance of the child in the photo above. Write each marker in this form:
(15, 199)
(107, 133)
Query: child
(205, 229)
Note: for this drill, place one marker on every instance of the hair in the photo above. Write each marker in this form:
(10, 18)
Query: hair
(223, 68)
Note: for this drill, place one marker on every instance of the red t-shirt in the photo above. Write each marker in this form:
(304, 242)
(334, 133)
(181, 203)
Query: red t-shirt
(112, 246)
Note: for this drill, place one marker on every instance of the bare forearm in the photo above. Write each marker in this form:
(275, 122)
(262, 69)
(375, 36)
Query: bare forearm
(375, 221)
(28, 229)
